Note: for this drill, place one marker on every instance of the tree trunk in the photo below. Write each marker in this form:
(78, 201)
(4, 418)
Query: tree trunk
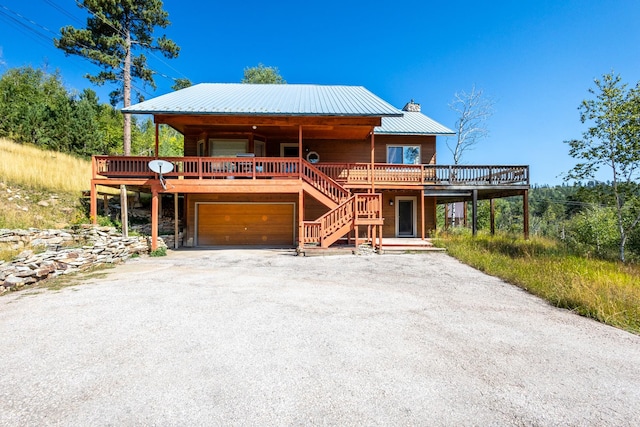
(126, 76)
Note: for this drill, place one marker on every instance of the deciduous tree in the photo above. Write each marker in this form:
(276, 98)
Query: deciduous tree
(473, 110)
(613, 142)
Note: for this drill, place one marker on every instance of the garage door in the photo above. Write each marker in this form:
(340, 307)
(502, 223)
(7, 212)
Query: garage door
(245, 224)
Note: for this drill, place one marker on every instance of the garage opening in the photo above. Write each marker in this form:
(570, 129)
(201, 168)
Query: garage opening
(245, 224)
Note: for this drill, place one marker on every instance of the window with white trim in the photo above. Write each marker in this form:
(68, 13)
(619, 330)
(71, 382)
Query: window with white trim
(403, 154)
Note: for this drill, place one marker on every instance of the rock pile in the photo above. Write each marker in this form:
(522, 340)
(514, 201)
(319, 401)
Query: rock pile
(50, 253)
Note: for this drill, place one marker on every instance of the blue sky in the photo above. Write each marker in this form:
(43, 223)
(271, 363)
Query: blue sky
(535, 59)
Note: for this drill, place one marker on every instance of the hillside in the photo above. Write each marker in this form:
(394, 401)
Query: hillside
(41, 189)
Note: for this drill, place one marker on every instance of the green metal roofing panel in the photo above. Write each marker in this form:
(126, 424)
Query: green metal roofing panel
(268, 99)
(412, 123)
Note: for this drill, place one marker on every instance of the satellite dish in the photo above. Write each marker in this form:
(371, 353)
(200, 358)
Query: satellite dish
(160, 166)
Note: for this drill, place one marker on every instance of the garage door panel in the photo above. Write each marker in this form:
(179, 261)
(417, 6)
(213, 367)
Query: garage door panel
(245, 224)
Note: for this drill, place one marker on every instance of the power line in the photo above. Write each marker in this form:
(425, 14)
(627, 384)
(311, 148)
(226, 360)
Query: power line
(21, 26)
(33, 29)
(63, 11)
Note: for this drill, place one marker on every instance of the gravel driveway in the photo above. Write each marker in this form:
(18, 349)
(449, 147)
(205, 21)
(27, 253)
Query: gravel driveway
(266, 338)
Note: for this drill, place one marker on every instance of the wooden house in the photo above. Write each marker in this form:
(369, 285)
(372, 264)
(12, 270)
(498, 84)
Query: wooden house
(301, 166)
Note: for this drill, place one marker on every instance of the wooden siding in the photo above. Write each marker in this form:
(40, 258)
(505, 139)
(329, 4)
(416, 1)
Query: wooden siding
(190, 145)
(389, 212)
(332, 151)
(313, 209)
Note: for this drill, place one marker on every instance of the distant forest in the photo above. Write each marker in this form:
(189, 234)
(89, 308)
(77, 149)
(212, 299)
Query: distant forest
(36, 108)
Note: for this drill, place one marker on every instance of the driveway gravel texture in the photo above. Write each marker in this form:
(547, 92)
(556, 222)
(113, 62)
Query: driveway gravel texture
(262, 337)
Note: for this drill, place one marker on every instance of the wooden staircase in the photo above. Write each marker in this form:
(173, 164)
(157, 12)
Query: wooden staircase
(346, 213)
(322, 187)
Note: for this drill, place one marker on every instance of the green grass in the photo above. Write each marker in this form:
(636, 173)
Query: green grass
(603, 290)
(158, 252)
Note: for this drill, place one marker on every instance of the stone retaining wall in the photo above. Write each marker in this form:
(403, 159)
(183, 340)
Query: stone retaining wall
(50, 253)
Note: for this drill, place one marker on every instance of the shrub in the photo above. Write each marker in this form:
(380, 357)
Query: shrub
(158, 252)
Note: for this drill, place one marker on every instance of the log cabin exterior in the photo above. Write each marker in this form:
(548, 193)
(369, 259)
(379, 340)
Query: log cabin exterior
(301, 166)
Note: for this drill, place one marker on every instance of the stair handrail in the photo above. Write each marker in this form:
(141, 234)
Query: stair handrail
(331, 188)
(337, 217)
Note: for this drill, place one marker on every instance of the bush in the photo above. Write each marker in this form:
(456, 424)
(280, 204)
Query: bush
(158, 252)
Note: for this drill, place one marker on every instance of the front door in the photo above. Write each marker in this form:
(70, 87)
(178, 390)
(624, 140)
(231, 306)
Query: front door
(405, 216)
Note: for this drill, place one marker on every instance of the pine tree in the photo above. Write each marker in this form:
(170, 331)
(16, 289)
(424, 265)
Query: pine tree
(115, 39)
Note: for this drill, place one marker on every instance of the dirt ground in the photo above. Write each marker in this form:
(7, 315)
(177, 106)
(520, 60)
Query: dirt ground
(259, 337)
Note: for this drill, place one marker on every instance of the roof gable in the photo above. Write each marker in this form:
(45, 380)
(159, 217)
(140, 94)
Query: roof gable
(268, 99)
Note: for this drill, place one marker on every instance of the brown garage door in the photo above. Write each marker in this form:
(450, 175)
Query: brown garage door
(245, 224)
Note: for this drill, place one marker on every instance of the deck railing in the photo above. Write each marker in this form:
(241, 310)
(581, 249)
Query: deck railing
(364, 207)
(354, 174)
(199, 167)
(323, 183)
(385, 173)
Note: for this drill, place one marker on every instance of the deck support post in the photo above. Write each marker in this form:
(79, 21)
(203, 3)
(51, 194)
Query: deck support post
(525, 213)
(154, 218)
(492, 214)
(300, 219)
(422, 213)
(446, 216)
(176, 228)
(373, 158)
(124, 215)
(93, 203)
(465, 214)
(474, 213)
(357, 237)
(374, 229)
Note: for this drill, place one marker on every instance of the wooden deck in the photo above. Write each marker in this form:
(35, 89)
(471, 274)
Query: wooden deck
(349, 175)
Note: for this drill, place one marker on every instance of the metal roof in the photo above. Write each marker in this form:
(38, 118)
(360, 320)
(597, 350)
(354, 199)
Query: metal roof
(412, 123)
(268, 99)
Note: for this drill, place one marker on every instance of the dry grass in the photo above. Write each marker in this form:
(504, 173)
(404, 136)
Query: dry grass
(41, 189)
(603, 290)
(36, 169)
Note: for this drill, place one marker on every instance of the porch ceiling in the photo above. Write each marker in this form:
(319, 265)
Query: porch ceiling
(357, 128)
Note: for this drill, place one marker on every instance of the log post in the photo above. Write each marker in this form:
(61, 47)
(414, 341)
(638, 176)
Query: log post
(93, 204)
(154, 219)
(124, 215)
(176, 228)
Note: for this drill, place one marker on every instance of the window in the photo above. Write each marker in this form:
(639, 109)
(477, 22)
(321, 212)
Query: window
(227, 147)
(403, 154)
(289, 149)
(258, 148)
